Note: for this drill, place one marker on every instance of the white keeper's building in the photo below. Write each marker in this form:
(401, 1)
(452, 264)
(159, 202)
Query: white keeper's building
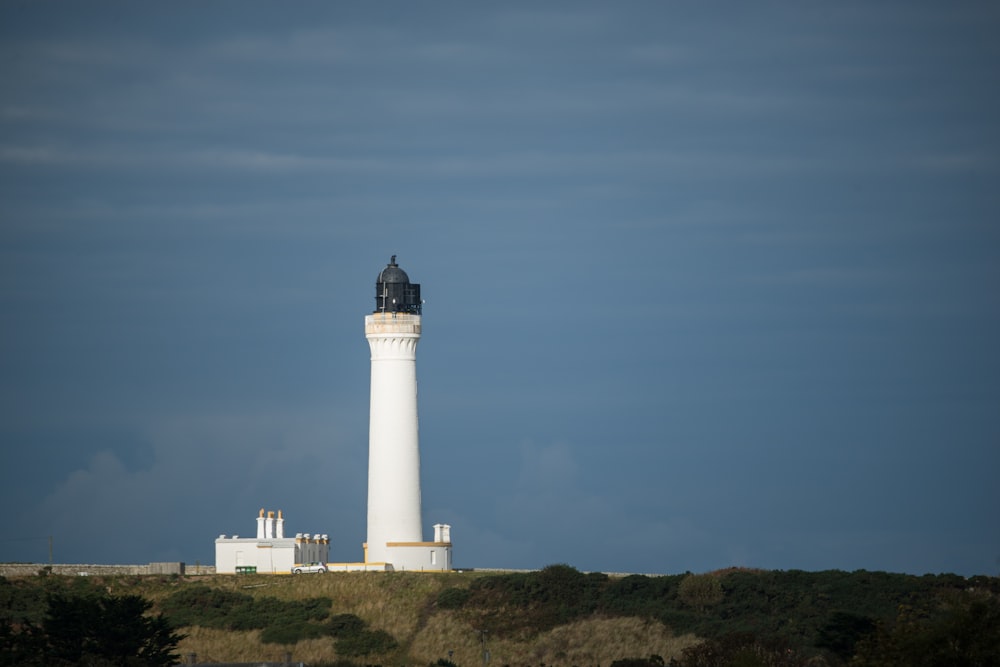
(270, 552)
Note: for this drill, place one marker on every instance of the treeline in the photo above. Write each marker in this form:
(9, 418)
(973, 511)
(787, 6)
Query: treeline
(767, 617)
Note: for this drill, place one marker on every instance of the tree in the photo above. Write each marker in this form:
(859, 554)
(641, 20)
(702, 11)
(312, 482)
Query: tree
(842, 633)
(965, 630)
(97, 630)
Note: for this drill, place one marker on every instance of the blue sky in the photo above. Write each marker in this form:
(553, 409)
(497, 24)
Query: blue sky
(707, 284)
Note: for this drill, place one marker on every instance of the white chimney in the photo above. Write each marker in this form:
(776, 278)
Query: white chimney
(437, 532)
(279, 527)
(260, 524)
(269, 526)
(446, 533)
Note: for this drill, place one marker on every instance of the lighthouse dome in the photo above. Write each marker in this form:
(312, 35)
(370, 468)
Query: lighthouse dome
(395, 293)
(392, 273)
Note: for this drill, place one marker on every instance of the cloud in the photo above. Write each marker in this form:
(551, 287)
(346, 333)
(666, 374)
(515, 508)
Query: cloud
(206, 475)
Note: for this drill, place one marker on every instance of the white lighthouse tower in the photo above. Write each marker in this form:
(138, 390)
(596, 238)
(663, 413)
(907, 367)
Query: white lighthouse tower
(395, 537)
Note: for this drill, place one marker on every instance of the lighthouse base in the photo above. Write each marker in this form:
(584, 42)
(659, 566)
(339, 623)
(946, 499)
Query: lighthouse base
(415, 556)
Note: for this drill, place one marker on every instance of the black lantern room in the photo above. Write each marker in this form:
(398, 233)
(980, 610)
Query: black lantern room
(394, 293)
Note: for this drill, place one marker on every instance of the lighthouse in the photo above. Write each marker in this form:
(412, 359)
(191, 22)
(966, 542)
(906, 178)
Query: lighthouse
(395, 535)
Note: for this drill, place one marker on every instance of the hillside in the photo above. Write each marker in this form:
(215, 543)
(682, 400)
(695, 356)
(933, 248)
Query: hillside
(557, 616)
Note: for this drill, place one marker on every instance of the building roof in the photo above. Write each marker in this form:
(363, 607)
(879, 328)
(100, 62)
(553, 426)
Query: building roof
(392, 273)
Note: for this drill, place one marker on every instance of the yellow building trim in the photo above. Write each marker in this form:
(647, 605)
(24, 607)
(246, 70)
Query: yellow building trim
(353, 564)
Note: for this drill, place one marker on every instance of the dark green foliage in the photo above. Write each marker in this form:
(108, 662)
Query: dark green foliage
(441, 662)
(228, 610)
(207, 607)
(344, 625)
(365, 642)
(353, 637)
(453, 598)
(562, 591)
(20, 604)
(560, 594)
(963, 630)
(552, 596)
(266, 611)
(314, 609)
(794, 605)
(290, 633)
(638, 595)
(19, 644)
(282, 621)
(810, 612)
(95, 630)
(842, 632)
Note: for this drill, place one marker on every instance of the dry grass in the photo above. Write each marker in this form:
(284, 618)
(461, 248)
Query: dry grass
(217, 645)
(591, 642)
(224, 646)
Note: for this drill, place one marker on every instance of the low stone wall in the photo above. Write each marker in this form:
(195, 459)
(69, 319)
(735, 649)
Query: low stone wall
(30, 569)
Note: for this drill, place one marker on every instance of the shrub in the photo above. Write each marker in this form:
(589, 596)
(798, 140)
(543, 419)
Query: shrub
(453, 598)
(204, 606)
(290, 633)
(344, 625)
(537, 601)
(227, 610)
(842, 632)
(366, 642)
(20, 604)
(963, 630)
